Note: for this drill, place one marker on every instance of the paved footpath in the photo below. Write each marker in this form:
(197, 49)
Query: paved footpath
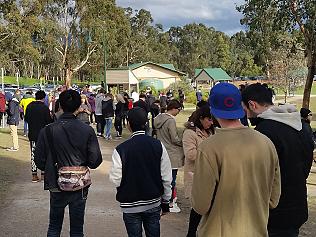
(25, 210)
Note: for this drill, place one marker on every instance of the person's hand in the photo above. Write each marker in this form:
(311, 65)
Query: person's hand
(164, 208)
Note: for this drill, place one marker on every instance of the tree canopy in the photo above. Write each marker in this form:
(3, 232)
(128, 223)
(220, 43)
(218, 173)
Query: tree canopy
(67, 38)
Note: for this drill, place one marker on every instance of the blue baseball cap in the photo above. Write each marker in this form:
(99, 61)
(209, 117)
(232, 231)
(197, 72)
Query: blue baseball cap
(225, 101)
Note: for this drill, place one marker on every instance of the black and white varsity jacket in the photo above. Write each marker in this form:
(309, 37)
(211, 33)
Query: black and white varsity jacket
(142, 173)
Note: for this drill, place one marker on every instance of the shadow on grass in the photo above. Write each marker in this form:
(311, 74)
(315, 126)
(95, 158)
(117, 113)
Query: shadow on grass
(9, 170)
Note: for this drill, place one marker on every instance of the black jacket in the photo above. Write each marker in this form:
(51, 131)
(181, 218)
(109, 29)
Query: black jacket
(295, 152)
(142, 104)
(13, 112)
(119, 109)
(37, 116)
(142, 172)
(107, 108)
(74, 143)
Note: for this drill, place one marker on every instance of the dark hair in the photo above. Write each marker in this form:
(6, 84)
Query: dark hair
(201, 113)
(40, 95)
(101, 90)
(173, 104)
(69, 100)
(137, 119)
(258, 93)
(201, 103)
(29, 93)
(142, 96)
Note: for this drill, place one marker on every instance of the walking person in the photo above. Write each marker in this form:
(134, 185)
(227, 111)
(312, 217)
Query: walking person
(181, 98)
(84, 111)
(13, 120)
(163, 102)
(27, 99)
(67, 144)
(282, 124)
(37, 116)
(197, 129)
(125, 109)
(141, 171)
(108, 109)
(237, 176)
(91, 101)
(119, 114)
(98, 112)
(2, 107)
(199, 96)
(167, 133)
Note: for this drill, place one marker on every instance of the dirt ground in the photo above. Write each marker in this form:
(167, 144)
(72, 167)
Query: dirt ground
(24, 205)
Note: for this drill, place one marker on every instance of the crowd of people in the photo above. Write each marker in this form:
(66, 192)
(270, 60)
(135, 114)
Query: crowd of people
(240, 181)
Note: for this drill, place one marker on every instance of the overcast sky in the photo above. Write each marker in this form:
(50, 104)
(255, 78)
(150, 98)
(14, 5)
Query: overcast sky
(220, 14)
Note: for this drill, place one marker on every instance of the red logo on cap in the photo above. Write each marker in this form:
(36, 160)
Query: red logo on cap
(229, 102)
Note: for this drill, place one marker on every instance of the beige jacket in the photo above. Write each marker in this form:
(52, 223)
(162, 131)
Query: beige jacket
(167, 133)
(191, 140)
(236, 181)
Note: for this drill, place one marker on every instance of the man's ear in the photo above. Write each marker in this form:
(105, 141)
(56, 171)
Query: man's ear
(252, 105)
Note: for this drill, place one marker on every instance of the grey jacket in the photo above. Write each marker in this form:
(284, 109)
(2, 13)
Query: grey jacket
(98, 103)
(167, 133)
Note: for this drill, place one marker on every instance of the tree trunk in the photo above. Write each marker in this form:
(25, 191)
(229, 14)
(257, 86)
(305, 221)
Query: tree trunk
(309, 81)
(68, 77)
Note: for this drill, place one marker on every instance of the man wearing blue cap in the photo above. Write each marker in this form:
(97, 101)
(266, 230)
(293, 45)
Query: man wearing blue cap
(237, 177)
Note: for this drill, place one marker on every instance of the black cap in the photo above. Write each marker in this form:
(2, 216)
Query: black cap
(137, 116)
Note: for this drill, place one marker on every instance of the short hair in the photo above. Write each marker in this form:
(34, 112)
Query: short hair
(173, 104)
(40, 95)
(201, 103)
(142, 96)
(137, 119)
(29, 93)
(258, 93)
(69, 100)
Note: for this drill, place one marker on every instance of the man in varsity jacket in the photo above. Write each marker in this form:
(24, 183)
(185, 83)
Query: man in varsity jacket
(141, 171)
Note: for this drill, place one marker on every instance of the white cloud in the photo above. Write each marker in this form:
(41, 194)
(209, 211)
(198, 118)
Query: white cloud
(220, 14)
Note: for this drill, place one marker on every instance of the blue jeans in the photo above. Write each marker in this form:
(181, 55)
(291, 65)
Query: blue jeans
(77, 203)
(150, 219)
(283, 232)
(25, 127)
(108, 126)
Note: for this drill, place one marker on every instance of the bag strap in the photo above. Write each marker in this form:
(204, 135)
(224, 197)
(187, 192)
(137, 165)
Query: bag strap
(49, 135)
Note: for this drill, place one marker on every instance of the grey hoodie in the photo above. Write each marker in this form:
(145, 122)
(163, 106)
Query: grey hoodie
(98, 103)
(167, 133)
(286, 114)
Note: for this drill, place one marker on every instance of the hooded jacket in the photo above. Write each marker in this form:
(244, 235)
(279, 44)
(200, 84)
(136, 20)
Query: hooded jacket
(167, 133)
(13, 112)
(192, 138)
(98, 103)
(282, 124)
(108, 107)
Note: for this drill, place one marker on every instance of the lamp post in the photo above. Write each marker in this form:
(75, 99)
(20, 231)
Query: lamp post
(2, 79)
(104, 62)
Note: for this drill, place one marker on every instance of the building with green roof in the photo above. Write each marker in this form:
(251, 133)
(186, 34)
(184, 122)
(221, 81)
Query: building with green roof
(211, 76)
(143, 74)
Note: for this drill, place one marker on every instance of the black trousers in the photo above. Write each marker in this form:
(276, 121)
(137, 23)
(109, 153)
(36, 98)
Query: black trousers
(118, 124)
(100, 124)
